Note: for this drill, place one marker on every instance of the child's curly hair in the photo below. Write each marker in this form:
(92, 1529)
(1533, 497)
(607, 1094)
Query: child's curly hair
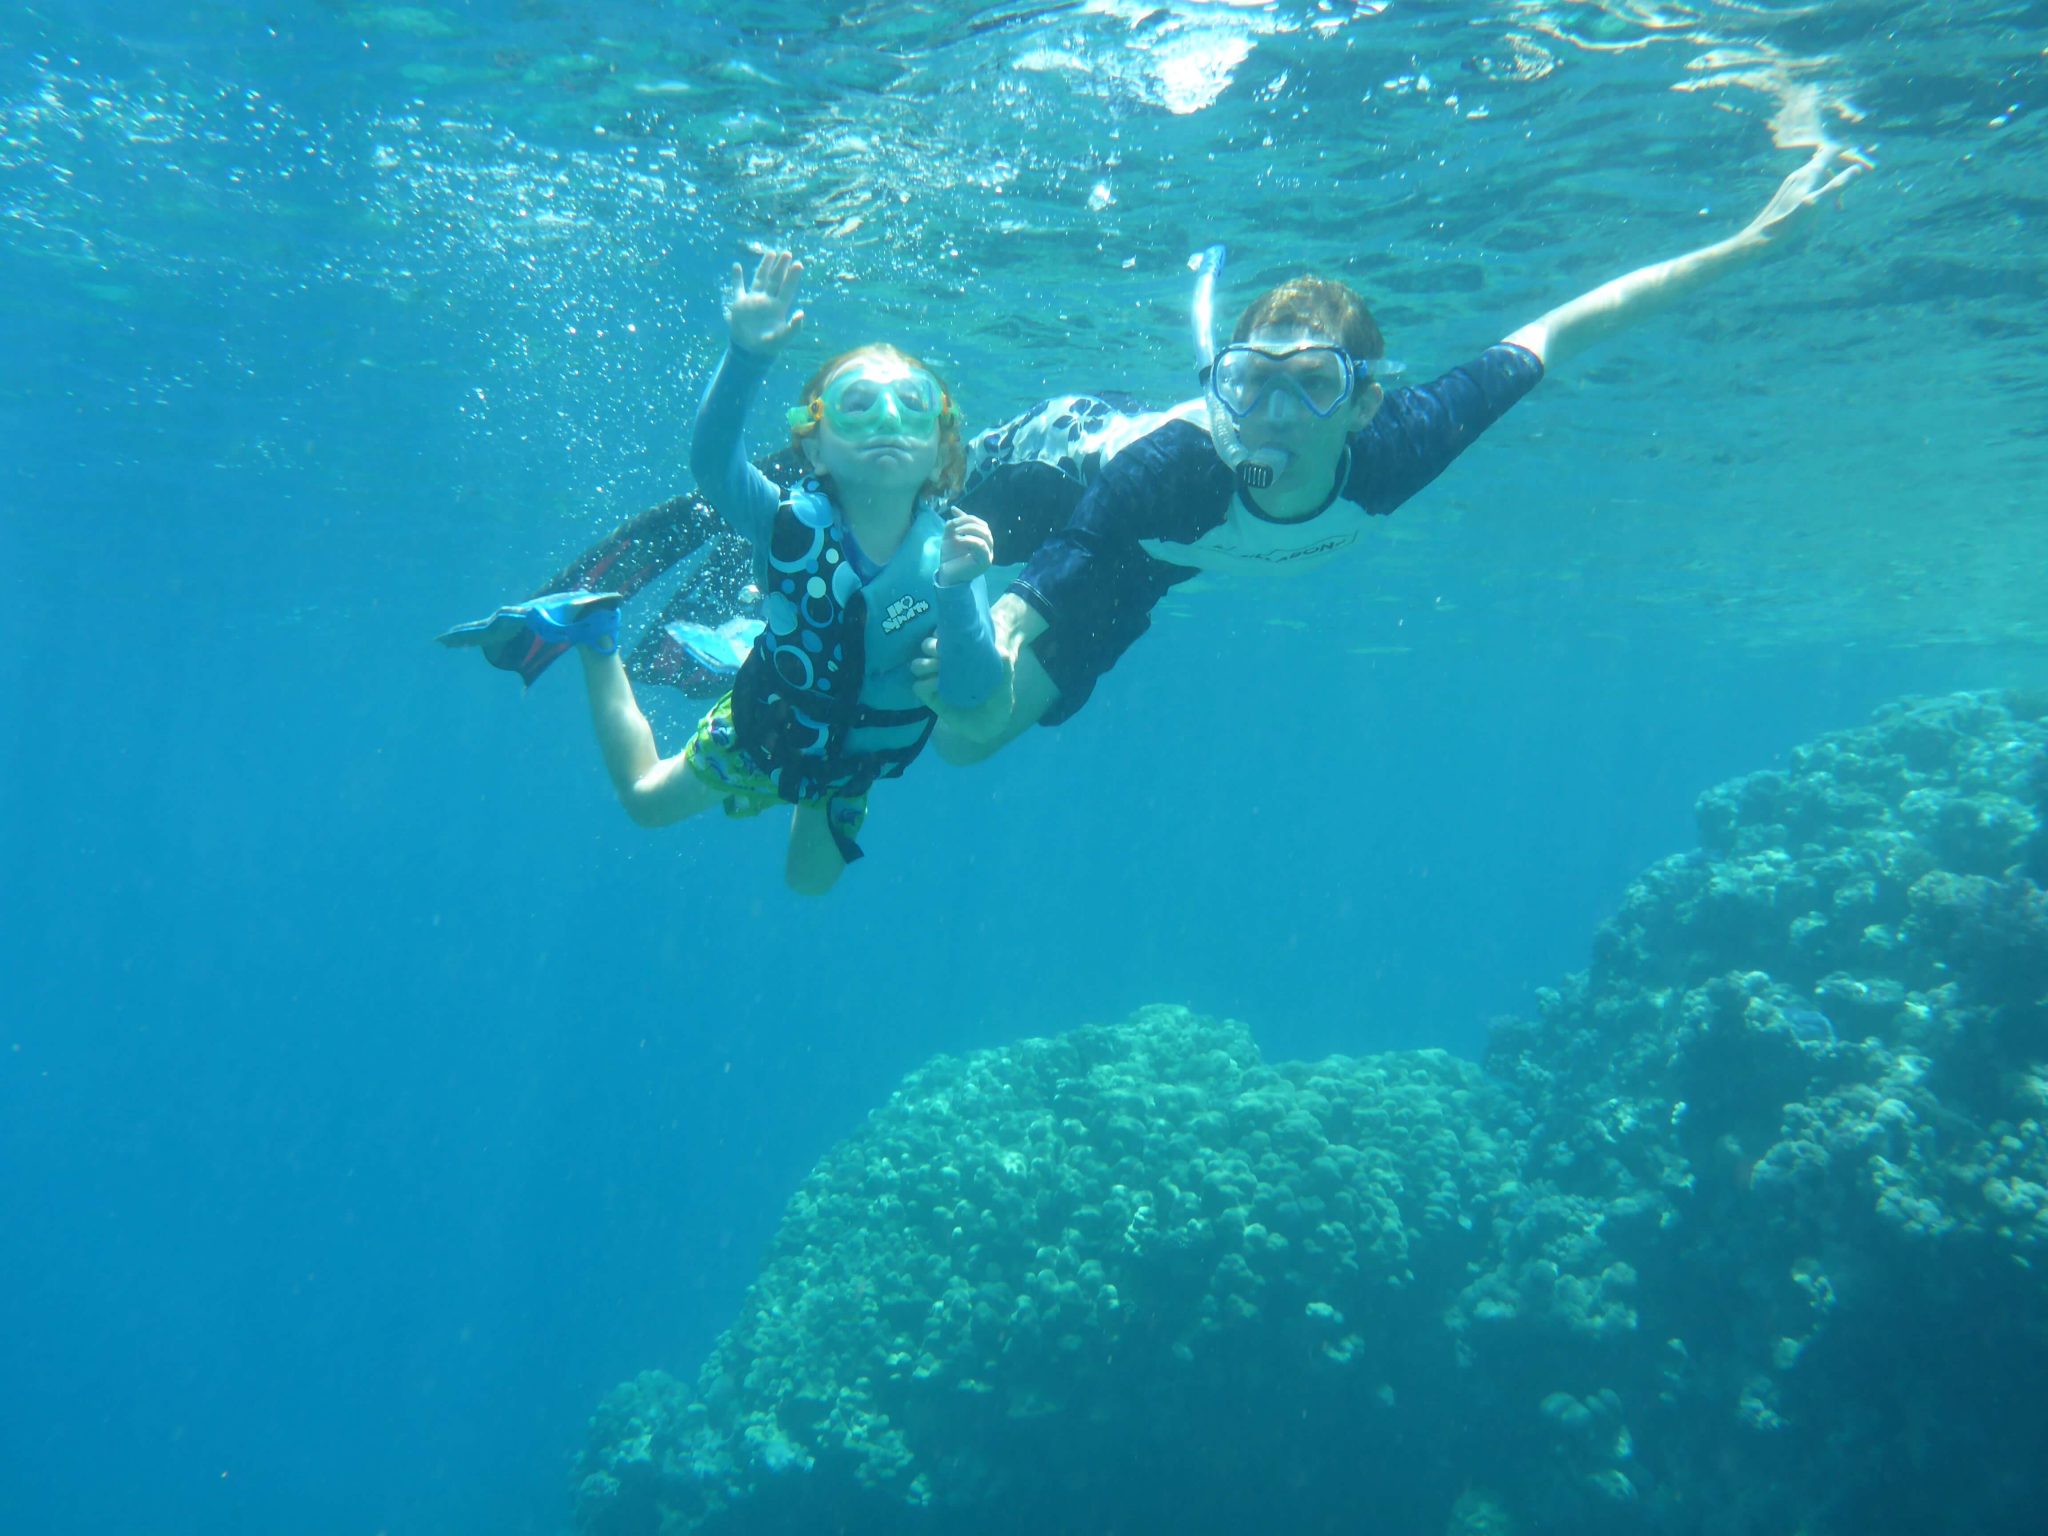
(951, 471)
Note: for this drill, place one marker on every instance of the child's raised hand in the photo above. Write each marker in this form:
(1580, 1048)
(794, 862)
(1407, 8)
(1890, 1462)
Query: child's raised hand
(758, 316)
(966, 549)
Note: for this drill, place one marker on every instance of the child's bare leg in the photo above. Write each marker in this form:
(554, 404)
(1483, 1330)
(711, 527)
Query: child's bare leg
(654, 790)
(814, 864)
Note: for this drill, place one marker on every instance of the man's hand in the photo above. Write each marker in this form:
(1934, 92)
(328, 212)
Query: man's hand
(1789, 210)
(1017, 704)
(963, 733)
(924, 673)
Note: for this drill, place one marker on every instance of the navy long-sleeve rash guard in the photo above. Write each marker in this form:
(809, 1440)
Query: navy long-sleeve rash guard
(1166, 508)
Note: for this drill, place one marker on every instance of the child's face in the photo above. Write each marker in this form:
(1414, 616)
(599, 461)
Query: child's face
(878, 426)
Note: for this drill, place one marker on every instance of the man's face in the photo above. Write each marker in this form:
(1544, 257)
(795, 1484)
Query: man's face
(1314, 443)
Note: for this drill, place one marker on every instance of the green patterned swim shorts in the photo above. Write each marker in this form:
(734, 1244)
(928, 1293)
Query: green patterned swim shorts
(716, 756)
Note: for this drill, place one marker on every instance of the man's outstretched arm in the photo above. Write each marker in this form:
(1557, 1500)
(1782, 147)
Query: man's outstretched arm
(1592, 317)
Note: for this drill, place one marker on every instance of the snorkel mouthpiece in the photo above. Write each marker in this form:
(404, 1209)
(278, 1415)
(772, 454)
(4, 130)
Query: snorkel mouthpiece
(1258, 470)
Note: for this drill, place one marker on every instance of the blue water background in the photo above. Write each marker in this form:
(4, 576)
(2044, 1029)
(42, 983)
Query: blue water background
(374, 1095)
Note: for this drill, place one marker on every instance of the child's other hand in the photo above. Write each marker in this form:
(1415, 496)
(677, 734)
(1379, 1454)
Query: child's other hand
(966, 549)
(758, 316)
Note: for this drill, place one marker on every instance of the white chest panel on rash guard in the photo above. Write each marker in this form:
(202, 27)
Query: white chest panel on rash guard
(1248, 544)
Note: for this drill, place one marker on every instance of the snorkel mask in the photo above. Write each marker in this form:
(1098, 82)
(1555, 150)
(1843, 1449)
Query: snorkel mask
(1317, 378)
(1311, 376)
(876, 396)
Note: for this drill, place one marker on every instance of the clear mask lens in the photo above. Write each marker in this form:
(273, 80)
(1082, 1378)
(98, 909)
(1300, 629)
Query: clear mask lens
(1244, 378)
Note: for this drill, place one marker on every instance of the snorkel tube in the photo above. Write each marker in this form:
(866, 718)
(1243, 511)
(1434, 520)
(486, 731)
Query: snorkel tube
(1254, 471)
(1207, 267)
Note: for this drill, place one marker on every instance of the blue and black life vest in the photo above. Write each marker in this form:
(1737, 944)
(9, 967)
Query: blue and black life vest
(797, 697)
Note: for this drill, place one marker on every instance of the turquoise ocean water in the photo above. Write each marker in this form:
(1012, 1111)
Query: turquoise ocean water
(374, 1096)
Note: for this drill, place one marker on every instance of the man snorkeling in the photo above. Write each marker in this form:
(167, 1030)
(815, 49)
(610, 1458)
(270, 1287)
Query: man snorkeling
(1294, 446)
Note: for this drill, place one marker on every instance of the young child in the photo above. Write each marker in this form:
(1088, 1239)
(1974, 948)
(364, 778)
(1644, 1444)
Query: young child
(858, 564)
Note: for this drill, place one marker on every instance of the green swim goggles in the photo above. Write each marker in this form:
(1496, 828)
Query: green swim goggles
(876, 397)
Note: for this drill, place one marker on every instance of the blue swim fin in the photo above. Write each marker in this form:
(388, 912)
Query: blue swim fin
(524, 637)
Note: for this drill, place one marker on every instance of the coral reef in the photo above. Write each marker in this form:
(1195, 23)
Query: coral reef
(1800, 1097)
(1044, 1272)
(1741, 1232)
